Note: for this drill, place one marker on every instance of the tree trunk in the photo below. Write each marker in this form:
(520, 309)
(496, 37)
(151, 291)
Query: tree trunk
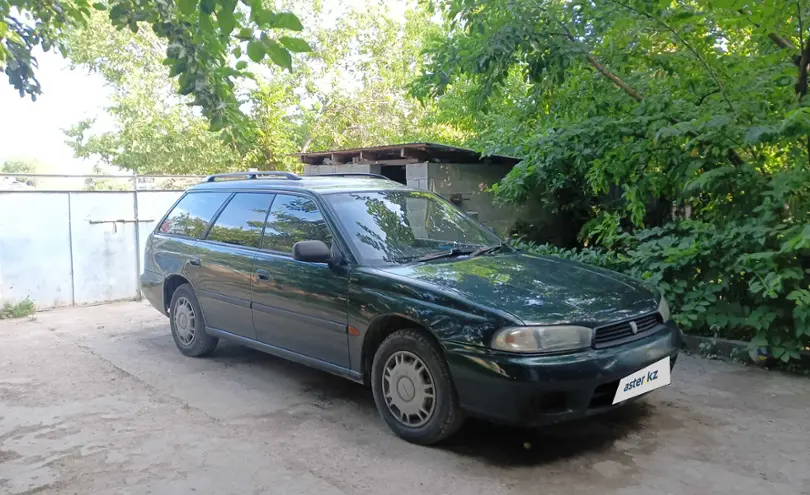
(801, 84)
(801, 80)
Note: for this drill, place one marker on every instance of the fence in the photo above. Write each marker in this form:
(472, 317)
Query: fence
(68, 247)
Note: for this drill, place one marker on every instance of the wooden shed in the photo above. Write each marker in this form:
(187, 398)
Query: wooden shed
(460, 175)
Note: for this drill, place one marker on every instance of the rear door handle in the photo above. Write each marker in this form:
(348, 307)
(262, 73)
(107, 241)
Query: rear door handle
(195, 261)
(263, 274)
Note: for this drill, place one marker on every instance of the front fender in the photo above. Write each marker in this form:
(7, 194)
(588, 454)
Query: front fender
(373, 294)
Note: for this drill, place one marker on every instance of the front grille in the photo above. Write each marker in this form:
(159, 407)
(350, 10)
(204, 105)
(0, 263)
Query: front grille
(616, 333)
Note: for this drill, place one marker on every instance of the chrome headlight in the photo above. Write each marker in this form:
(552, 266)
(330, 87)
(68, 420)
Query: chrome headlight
(542, 339)
(663, 309)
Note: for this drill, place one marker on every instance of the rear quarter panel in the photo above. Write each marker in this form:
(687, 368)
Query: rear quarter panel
(168, 255)
(164, 256)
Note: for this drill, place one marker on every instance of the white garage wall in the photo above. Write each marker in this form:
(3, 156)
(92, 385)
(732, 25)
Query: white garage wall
(75, 247)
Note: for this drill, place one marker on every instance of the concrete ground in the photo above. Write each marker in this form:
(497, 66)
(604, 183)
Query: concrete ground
(97, 400)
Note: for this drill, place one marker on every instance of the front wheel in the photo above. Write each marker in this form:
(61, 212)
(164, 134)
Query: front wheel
(188, 324)
(413, 389)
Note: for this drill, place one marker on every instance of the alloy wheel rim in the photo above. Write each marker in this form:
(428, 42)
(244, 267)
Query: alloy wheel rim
(185, 322)
(409, 389)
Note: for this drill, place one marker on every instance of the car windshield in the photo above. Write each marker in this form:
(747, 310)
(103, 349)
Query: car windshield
(403, 226)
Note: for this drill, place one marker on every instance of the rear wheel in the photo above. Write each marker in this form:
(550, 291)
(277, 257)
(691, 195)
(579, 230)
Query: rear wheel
(413, 389)
(188, 324)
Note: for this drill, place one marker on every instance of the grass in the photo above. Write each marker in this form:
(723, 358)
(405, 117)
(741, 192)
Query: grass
(24, 308)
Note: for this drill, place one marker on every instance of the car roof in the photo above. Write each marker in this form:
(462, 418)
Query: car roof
(316, 184)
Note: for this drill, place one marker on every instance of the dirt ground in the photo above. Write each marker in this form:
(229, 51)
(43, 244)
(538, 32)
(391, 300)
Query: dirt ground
(97, 400)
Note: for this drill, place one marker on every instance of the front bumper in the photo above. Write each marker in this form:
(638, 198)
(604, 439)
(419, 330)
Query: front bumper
(537, 390)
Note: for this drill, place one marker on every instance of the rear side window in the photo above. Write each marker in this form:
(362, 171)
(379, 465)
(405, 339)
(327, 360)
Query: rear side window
(242, 220)
(191, 215)
(293, 219)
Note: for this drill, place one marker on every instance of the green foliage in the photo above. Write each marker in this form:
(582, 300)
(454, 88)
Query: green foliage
(19, 167)
(741, 279)
(24, 308)
(350, 90)
(708, 349)
(155, 132)
(672, 135)
(26, 24)
(16, 166)
(201, 52)
(359, 74)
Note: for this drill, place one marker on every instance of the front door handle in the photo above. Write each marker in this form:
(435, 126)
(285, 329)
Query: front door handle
(195, 261)
(263, 274)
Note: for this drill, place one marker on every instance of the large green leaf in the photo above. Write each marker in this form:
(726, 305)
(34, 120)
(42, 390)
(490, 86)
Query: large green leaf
(205, 23)
(255, 50)
(285, 20)
(227, 22)
(228, 5)
(207, 6)
(261, 16)
(187, 6)
(217, 122)
(278, 54)
(296, 45)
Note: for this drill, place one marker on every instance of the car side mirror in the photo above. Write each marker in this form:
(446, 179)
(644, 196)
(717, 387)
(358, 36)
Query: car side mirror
(312, 251)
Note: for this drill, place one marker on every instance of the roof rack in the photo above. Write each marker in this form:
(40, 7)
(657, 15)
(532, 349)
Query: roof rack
(253, 175)
(351, 174)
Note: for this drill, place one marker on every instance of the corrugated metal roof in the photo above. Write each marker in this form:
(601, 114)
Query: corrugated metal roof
(402, 154)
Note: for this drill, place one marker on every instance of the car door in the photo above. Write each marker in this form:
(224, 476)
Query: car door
(177, 246)
(224, 263)
(299, 306)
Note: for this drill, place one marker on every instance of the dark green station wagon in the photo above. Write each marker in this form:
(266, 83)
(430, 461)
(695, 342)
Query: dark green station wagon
(395, 288)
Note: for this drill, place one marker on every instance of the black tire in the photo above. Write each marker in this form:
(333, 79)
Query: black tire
(201, 344)
(446, 417)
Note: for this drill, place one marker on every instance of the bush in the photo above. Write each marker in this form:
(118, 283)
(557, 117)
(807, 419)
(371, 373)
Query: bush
(740, 280)
(22, 309)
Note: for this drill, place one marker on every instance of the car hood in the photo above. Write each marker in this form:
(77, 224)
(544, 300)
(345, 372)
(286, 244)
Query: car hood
(537, 289)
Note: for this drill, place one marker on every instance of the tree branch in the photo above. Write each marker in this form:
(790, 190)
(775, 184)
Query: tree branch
(602, 69)
(311, 135)
(703, 98)
(613, 77)
(778, 40)
(801, 79)
(781, 42)
(733, 156)
(804, 61)
(689, 47)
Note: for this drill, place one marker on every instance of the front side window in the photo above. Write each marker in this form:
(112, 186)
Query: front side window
(242, 220)
(191, 215)
(401, 226)
(293, 219)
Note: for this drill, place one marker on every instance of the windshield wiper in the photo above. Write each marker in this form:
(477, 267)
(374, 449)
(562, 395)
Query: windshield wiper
(455, 252)
(486, 250)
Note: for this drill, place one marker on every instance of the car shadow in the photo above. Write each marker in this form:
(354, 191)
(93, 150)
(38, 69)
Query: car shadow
(510, 446)
(488, 442)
